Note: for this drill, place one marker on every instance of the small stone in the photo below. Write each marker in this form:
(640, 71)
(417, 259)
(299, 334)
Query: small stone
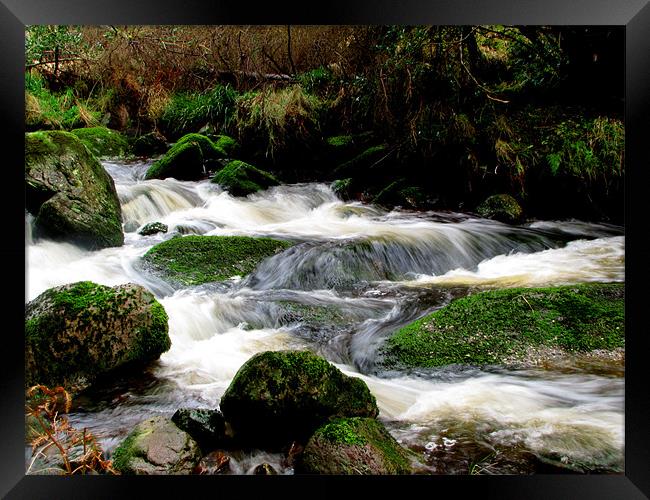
(153, 228)
(265, 469)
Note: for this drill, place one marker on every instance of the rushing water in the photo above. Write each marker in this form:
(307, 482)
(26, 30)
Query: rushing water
(368, 272)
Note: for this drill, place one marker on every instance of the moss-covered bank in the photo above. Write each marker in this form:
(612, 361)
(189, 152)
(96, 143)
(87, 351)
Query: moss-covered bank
(193, 260)
(499, 326)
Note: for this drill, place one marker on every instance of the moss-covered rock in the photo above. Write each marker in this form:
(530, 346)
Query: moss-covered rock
(241, 179)
(69, 193)
(75, 332)
(207, 427)
(399, 193)
(157, 446)
(150, 144)
(280, 396)
(153, 228)
(227, 144)
(500, 326)
(344, 188)
(210, 151)
(357, 446)
(501, 207)
(193, 260)
(102, 141)
(183, 161)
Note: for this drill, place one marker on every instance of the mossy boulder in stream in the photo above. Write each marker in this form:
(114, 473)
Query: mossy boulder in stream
(207, 427)
(76, 332)
(102, 141)
(157, 446)
(69, 193)
(504, 326)
(356, 446)
(150, 144)
(189, 159)
(280, 396)
(501, 207)
(241, 179)
(193, 260)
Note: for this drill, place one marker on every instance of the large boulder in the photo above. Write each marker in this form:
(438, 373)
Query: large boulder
(501, 207)
(515, 326)
(357, 446)
(280, 396)
(193, 260)
(69, 193)
(102, 141)
(75, 332)
(156, 446)
(241, 179)
(189, 159)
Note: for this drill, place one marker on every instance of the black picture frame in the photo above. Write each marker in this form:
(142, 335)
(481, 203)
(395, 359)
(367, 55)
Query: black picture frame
(633, 14)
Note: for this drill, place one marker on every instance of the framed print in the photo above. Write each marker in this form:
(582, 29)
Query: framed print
(401, 246)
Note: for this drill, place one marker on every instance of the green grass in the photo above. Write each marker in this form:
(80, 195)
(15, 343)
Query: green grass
(489, 327)
(189, 111)
(193, 260)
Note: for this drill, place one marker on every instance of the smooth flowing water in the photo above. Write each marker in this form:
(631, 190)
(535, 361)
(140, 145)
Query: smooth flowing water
(367, 272)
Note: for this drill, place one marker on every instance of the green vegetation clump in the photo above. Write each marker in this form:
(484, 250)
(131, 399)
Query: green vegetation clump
(189, 111)
(278, 396)
(193, 260)
(499, 326)
(241, 179)
(227, 144)
(102, 141)
(501, 207)
(276, 118)
(354, 446)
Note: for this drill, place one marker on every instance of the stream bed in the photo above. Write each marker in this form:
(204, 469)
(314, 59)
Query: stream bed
(366, 272)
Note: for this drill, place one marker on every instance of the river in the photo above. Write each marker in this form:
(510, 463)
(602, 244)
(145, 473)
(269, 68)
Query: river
(371, 271)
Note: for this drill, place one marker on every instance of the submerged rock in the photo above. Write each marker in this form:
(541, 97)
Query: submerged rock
(501, 207)
(75, 332)
(206, 426)
(353, 446)
(193, 260)
(102, 141)
(280, 396)
(153, 228)
(189, 159)
(157, 446)
(241, 179)
(69, 193)
(501, 326)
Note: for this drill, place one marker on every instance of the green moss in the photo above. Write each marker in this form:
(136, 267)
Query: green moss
(490, 327)
(192, 260)
(125, 452)
(227, 144)
(340, 141)
(341, 431)
(354, 446)
(209, 149)
(241, 179)
(502, 207)
(102, 141)
(183, 161)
